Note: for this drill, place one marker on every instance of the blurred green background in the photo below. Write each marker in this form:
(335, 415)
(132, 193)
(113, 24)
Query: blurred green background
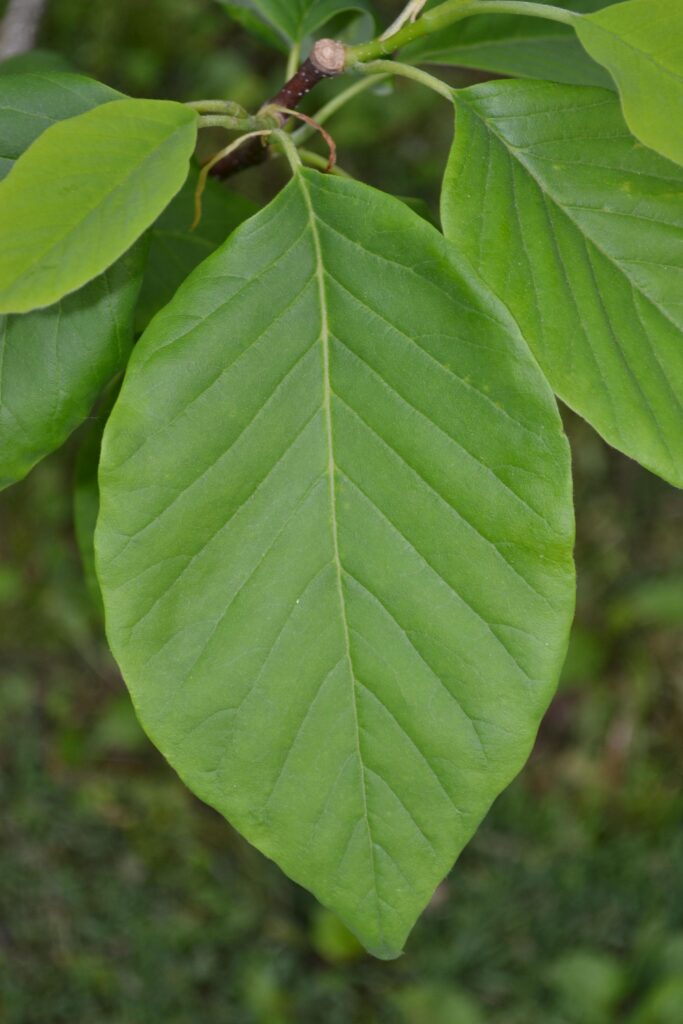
(123, 900)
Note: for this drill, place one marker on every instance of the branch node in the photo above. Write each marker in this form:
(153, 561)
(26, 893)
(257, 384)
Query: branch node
(328, 56)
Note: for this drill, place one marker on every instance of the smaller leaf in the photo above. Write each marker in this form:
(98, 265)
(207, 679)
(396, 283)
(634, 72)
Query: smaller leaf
(641, 44)
(54, 362)
(79, 197)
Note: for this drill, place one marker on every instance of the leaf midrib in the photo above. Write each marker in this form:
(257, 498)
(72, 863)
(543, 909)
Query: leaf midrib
(331, 474)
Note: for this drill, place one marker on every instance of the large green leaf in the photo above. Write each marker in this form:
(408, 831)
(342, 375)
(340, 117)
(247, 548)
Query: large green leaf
(510, 45)
(641, 42)
(54, 362)
(292, 20)
(175, 250)
(30, 103)
(79, 197)
(335, 545)
(577, 228)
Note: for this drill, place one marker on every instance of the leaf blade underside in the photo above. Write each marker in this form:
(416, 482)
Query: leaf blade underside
(328, 427)
(84, 191)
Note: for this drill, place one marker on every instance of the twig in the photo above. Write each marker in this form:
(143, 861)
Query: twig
(327, 59)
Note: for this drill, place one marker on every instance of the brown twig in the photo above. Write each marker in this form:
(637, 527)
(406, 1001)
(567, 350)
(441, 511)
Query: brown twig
(327, 59)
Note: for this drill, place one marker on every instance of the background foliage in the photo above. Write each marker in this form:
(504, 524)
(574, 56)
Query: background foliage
(122, 899)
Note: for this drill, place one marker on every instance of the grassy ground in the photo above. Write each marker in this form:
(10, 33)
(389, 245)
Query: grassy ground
(125, 901)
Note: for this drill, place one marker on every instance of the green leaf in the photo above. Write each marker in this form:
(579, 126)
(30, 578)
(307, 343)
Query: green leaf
(509, 45)
(54, 362)
(340, 603)
(85, 190)
(175, 251)
(577, 228)
(641, 43)
(31, 103)
(293, 20)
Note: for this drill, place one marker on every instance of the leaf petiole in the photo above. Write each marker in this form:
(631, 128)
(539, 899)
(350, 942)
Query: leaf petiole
(289, 150)
(395, 67)
(227, 107)
(244, 124)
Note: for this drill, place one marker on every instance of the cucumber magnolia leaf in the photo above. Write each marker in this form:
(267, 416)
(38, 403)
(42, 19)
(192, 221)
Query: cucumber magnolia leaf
(30, 103)
(293, 20)
(641, 43)
(174, 250)
(85, 190)
(577, 228)
(54, 362)
(510, 45)
(340, 604)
